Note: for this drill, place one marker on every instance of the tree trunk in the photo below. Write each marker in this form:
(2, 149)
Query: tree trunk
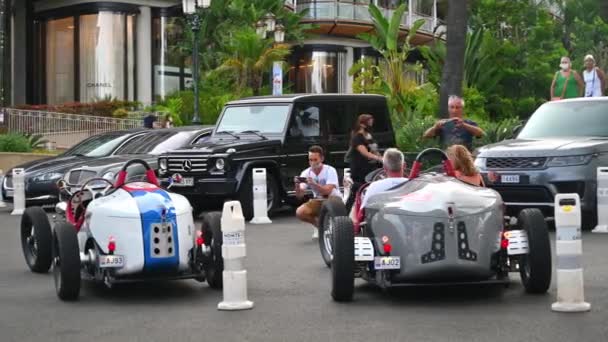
(453, 69)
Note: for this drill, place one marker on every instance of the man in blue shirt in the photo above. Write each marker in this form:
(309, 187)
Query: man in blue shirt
(455, 130)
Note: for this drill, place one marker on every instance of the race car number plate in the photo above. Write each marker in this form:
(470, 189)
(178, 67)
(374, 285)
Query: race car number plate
(509, 179)
(107, 261)
(186, 181)
(387, 263)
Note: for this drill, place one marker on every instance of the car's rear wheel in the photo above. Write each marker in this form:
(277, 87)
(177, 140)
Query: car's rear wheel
(66, 261)
(245, 194)
(212, 234)
(332, 208)
(343, 262)
(36, 239)
(535, 267)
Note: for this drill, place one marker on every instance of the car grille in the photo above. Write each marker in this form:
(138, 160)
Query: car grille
(78, 177)
(525, 194)
(187, 164)
(8, 181)
(516, 163)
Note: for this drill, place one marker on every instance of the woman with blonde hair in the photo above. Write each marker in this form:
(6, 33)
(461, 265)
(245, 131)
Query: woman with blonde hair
(464, 166)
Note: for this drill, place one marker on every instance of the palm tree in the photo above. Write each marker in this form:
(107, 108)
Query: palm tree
(453, 70)
(249, 56)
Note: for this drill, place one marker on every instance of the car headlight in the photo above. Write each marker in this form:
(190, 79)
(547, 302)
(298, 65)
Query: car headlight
(109, 176)
(569, 160)
(162, 163)
(480, 163)
(48, 177)
(220, 163)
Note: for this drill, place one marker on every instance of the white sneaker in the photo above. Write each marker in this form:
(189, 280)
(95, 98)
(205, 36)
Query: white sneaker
(315, 232)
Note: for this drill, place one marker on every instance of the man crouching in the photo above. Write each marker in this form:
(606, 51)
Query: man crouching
(322, 180)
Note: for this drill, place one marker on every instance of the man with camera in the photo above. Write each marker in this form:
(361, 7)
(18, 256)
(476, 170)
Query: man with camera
(322, 180)
(455, 130)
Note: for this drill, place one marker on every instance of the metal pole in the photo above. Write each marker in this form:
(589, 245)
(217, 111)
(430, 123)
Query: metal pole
(195, 29)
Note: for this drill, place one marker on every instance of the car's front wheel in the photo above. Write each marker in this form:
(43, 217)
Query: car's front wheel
(535, 267)
(343, 262)
(36, 239)
(332, 208)
(214, 263)
(66, 261)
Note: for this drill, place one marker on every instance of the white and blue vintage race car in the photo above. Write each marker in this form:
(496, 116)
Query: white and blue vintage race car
(122, 232)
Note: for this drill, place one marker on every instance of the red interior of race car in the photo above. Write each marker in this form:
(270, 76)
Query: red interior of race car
(76, 205)
(414, 173)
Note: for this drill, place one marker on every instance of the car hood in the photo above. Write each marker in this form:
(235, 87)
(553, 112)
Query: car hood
(550, 147)
(223, 145)
(58, 164)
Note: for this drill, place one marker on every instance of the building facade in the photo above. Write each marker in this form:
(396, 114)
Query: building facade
(58, 51)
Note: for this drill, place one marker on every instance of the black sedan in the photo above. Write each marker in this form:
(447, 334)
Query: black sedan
(146, 147)
(41, 175)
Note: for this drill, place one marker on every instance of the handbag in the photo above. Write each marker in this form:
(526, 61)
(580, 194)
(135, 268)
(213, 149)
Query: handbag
(557, 98)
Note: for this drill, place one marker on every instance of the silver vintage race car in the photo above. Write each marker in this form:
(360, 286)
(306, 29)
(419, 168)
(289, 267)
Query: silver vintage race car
(433, 229)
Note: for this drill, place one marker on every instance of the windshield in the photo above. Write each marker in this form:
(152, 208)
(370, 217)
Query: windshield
(563, 119)
(265, 119)
(156, 143)
(98, 146)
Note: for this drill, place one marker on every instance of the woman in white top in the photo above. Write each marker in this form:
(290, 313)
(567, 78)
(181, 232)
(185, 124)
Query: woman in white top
(595, 79)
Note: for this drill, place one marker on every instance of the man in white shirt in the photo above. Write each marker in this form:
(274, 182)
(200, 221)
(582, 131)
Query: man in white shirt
(322, 180)
(394, 166)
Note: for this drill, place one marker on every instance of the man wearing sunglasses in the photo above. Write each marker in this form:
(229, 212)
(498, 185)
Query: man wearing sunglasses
(456, 130)
(322, 180)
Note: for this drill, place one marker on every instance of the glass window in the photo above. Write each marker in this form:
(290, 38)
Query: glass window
(265, 119)
(317, 72)
(169, 72)
(306, 122)
(340, 117)
(102, 56)
(156, 143)
(575, 119)
(60, 60)
(98, 146)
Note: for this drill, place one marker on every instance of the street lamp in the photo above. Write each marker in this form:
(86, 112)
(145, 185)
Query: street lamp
(268, 24)
(190, 8)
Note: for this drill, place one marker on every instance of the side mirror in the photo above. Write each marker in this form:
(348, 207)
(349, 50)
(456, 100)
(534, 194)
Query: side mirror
(62, 185)
(516, 130)
(60, 208)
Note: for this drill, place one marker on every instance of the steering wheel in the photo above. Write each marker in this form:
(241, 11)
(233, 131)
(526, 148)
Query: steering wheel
(122, 174)
(94, 192)
(447, 164)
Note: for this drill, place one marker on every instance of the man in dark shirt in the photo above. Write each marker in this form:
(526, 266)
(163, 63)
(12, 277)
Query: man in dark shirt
(455, 130)
(149, 121)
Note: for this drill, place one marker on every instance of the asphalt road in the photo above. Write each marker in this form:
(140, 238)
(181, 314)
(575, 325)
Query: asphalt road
(290, 287)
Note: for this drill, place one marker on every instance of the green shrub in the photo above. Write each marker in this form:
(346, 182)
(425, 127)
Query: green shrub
(497, 131)
(409, 136)
(14, 142)
(120, 113)
(35, 141)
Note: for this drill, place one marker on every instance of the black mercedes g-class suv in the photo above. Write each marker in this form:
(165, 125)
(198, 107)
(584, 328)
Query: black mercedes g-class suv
(272, 132)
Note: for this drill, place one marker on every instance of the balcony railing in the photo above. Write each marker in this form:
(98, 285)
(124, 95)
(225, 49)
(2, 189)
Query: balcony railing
(359, 12)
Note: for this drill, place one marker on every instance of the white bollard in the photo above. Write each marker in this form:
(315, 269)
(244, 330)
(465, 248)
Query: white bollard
(569, 255)
(18, 192)
(2, 204)
(602, 201)
(234, 252)
(346, 183)
(260, 202)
